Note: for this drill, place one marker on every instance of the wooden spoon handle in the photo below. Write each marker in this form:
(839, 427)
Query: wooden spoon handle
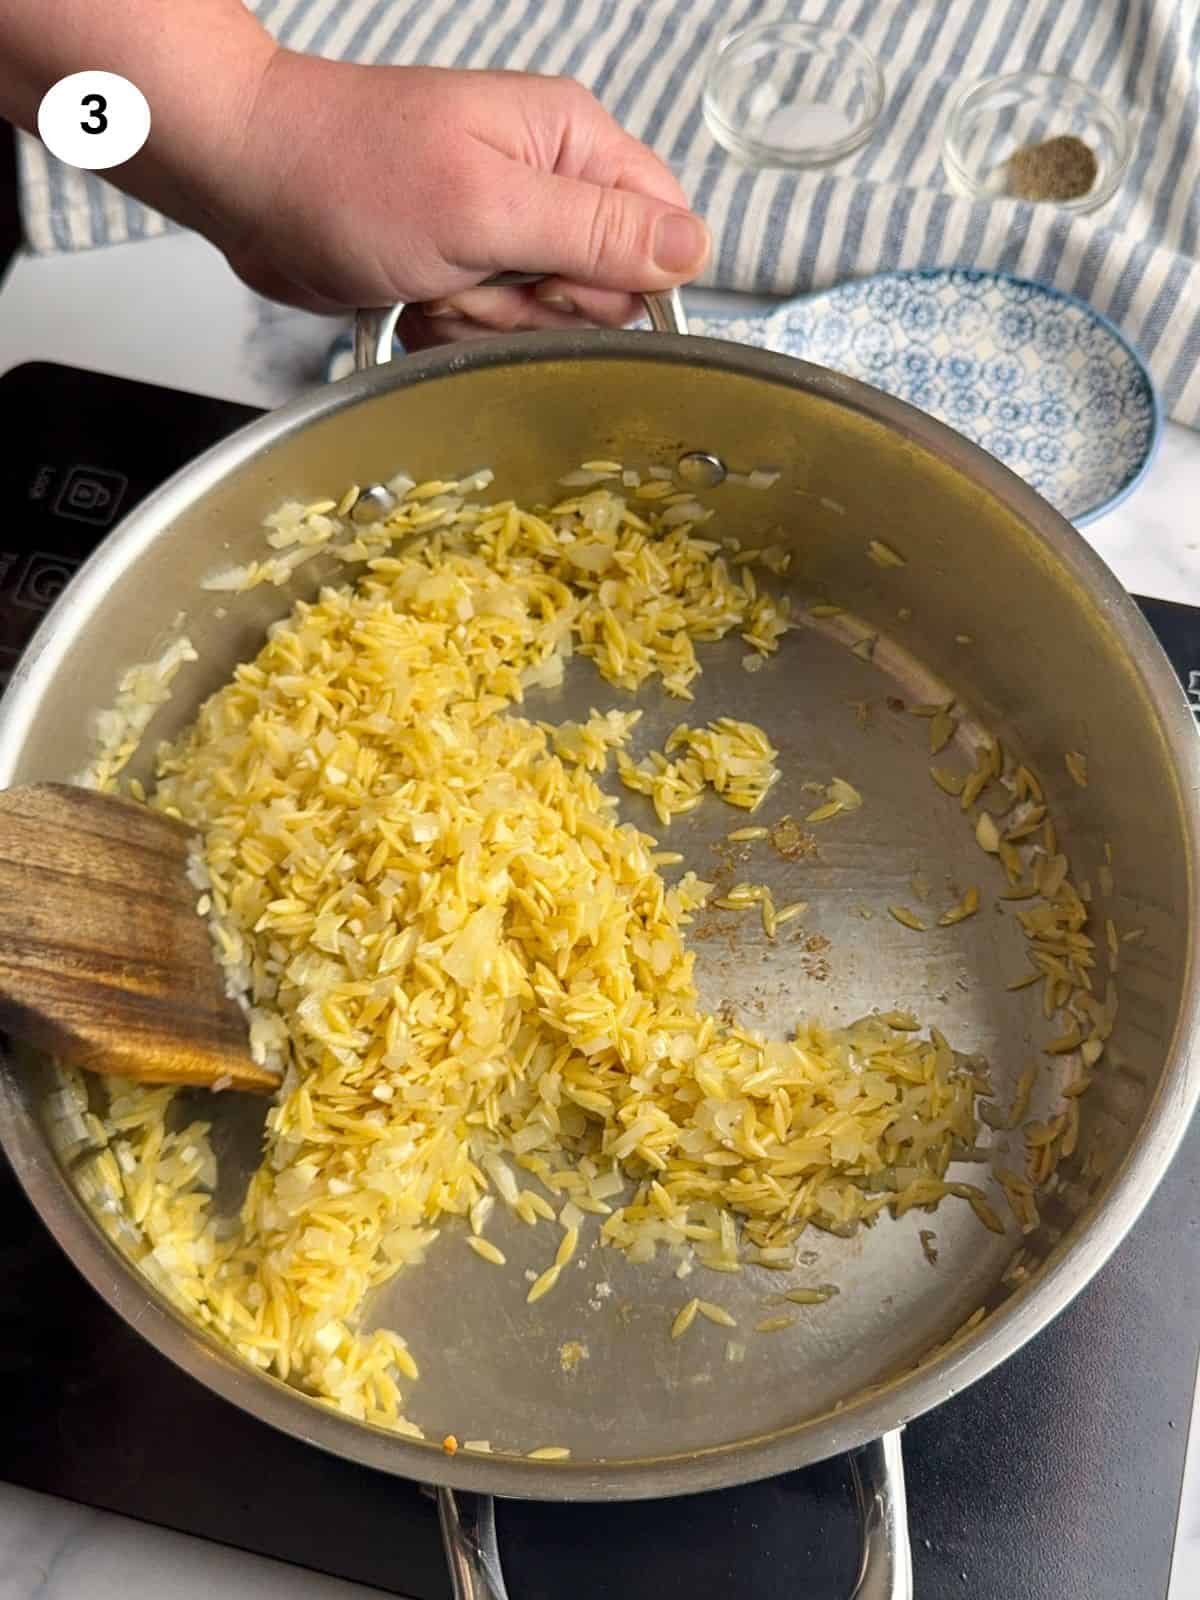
(104, 961)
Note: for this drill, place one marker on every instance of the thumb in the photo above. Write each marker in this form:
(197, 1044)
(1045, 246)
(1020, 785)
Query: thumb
(608, 238)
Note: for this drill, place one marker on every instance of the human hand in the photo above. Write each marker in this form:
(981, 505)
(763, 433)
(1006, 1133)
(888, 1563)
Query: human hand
(363, 186)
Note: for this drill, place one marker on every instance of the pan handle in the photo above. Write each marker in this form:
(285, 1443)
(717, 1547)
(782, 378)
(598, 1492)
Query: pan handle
(469, 1538)
(375, 330)
(885, 1572)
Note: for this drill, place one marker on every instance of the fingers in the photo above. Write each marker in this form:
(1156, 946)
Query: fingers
(531, 221)
(476, 312)
(576, 137)
(501, 310)
(582, 199)
(553, 303)
(597, 149)
(556, 125)
(625, 163)
(418, 332)
(608, 308)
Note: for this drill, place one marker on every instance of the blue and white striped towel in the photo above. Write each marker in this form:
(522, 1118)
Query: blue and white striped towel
(1138, 260)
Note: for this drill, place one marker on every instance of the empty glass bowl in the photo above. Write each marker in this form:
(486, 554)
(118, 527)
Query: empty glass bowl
(991, 121)
(792, 94)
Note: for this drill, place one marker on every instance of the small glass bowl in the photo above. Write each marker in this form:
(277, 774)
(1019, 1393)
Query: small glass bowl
(792, 94)
(991, 120)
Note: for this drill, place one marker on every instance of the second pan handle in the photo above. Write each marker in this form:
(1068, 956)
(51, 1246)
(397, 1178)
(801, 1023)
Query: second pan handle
(885, 1572)
(374, 331)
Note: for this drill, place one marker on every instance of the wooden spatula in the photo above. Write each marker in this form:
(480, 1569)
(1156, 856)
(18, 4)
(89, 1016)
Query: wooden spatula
(104, 960)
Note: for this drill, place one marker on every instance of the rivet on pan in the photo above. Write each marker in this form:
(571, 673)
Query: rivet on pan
(374, 502)
(700, 470)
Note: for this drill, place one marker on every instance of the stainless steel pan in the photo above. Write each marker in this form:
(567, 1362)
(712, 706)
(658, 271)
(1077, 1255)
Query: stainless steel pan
(1058, 659)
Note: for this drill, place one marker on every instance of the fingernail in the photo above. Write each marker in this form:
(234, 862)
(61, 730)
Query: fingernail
(555, 298)
(439, 308)
(680, 242)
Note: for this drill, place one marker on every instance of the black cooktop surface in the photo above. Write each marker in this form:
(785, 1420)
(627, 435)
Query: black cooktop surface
(1056, 1478)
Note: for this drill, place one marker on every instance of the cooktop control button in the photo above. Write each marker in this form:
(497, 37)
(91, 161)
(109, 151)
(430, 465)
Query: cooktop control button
(91, 494)
(43, 579)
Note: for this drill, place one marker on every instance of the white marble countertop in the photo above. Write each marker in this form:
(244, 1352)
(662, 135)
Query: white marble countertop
(170, 312)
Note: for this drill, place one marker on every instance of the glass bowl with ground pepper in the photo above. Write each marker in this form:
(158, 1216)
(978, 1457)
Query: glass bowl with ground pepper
(1036, 136)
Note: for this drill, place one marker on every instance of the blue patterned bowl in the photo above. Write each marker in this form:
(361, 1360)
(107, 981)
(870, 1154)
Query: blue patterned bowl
(1033, 375)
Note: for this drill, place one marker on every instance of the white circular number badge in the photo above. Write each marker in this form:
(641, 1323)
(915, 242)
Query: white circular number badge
(94, 120)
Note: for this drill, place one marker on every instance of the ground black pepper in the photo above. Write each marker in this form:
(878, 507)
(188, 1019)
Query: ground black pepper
(1063, 168)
